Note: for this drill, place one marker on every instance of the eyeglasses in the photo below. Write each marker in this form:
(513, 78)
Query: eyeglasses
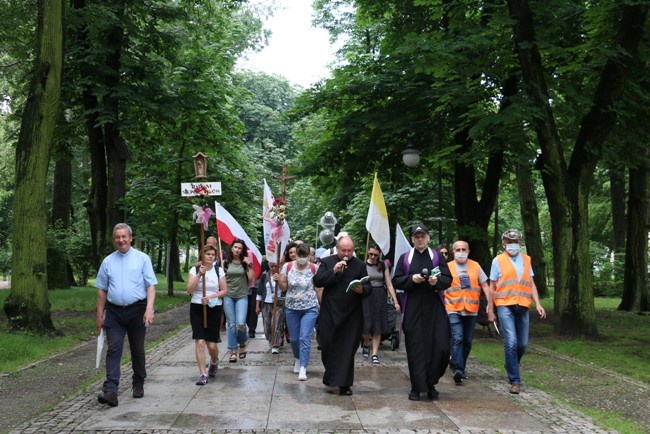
(444, 252)
(373, 255)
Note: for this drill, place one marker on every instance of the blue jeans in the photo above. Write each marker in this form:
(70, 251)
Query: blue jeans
(118, 323)
(462, 333)
(514, 327)
(236, 310)
(301, 326)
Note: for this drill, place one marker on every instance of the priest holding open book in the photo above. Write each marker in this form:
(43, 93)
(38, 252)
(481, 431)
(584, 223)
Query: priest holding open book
(340, 319)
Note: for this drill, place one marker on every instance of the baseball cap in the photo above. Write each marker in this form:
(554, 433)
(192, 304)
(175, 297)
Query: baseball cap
(511, 234)
(419, 228)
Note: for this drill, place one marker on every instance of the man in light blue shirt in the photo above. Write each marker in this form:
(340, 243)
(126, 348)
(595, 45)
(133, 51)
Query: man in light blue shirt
(125, 298)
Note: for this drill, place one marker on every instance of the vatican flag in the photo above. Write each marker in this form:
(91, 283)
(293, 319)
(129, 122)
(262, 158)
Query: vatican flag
(377, 221)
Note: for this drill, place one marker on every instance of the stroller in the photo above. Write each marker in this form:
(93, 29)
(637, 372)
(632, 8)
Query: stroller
(393, 325)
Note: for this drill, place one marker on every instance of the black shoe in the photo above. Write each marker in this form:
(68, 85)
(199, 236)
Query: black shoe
(345, 391)
(414, 395)
(212, 371)
(433, 394)
(458, 378)
(138, 391)
(109, 398)
(251, 335)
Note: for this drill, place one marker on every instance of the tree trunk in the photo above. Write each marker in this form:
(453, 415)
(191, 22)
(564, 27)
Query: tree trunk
(635, 280)
(57, 264)
(532, 230)
(97, 197)
(161, 246)
(27, 306)
(186, 267)
(117, 153)
(617, 195)
(567, 188)
(472, 215)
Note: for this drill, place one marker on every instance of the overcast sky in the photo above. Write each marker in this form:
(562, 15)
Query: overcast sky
(296, 50)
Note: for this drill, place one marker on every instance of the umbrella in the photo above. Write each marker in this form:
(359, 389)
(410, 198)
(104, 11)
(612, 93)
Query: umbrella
(100, 347)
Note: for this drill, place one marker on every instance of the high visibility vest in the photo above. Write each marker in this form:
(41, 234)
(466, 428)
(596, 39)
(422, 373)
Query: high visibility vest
(510, 290)
(458, 299)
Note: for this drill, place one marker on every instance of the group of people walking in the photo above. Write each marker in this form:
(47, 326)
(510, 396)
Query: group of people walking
(345, 295)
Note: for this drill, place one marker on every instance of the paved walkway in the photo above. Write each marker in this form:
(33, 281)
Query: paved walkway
(262, 394)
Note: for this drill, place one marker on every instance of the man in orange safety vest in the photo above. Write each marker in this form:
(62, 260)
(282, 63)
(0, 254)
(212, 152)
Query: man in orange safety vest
(462, 301)
(512, 289)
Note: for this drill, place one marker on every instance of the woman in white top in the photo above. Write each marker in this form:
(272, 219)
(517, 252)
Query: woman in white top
(215, 289)
(301, 306)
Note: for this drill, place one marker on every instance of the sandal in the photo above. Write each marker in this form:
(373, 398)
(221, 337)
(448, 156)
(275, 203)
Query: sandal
(233, 358)
(242, 351)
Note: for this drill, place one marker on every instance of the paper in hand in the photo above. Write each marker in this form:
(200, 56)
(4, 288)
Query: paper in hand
(100, 348)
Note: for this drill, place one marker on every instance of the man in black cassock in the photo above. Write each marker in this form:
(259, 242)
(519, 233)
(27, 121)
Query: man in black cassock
(424, 321)
(340, 320)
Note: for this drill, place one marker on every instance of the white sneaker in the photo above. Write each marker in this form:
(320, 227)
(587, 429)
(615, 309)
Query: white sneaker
(275, 350)
(296, 366)
(302, 375)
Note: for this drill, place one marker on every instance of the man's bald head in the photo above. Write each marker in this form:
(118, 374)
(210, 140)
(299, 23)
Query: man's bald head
(345, 247)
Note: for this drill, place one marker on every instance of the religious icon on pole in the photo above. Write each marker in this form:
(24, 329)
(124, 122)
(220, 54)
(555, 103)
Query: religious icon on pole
(203, 212)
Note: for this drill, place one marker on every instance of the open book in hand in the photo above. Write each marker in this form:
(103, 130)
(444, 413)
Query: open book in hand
(357, 282)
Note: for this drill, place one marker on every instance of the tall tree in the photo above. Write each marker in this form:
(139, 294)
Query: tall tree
(568, 185)
(635, 282)
(27, 306)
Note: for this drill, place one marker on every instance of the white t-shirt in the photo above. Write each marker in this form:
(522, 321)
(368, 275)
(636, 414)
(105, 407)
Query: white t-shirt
(211, 285)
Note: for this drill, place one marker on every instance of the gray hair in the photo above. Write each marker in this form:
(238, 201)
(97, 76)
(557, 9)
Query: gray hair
(122, 226)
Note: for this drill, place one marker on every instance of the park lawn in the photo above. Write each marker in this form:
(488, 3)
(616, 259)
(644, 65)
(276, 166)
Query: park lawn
(73, 315)
(622, 347)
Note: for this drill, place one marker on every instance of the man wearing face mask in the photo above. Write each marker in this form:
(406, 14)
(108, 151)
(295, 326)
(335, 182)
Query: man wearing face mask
(462, 301)
(512, 288)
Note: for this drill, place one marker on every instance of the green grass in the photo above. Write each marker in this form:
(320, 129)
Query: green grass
(73, 314)
(623, 347)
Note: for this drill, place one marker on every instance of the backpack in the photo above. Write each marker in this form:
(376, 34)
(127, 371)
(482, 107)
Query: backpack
(216, 269)
(311, 265)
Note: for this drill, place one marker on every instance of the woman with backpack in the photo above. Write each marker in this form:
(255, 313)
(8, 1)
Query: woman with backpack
(301, 306)
(239, 271)
(216, 289)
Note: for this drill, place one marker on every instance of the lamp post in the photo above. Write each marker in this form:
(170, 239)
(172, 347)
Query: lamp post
(411, 158)
(411, 154)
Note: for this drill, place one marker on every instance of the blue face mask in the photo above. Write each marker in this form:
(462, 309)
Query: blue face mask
(513, 249)
(302, 261)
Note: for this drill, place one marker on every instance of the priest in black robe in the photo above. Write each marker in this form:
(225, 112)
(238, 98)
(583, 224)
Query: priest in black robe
(424, 321)
(340, 320)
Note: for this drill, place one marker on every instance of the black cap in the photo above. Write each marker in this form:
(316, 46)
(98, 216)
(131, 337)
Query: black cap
(419, 228)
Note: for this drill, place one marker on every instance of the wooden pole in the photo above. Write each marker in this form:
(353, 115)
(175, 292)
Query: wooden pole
(367, 245)
(275, 298)
(205, 308)
(278, 245)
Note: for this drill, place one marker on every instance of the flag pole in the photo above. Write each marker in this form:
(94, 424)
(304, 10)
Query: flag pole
(216, 223)
(274, 325)
(367, 244)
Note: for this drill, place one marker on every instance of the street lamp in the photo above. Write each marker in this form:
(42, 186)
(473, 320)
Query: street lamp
(411, 154)
(411, 158)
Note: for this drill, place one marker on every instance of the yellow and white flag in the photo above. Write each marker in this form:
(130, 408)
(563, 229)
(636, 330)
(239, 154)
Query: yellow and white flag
(377, 221)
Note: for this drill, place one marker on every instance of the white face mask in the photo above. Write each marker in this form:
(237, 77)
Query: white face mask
(302, 261)
(460, 257)
(513, 249)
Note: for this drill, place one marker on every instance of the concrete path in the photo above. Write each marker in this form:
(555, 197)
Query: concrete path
(262, 394)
